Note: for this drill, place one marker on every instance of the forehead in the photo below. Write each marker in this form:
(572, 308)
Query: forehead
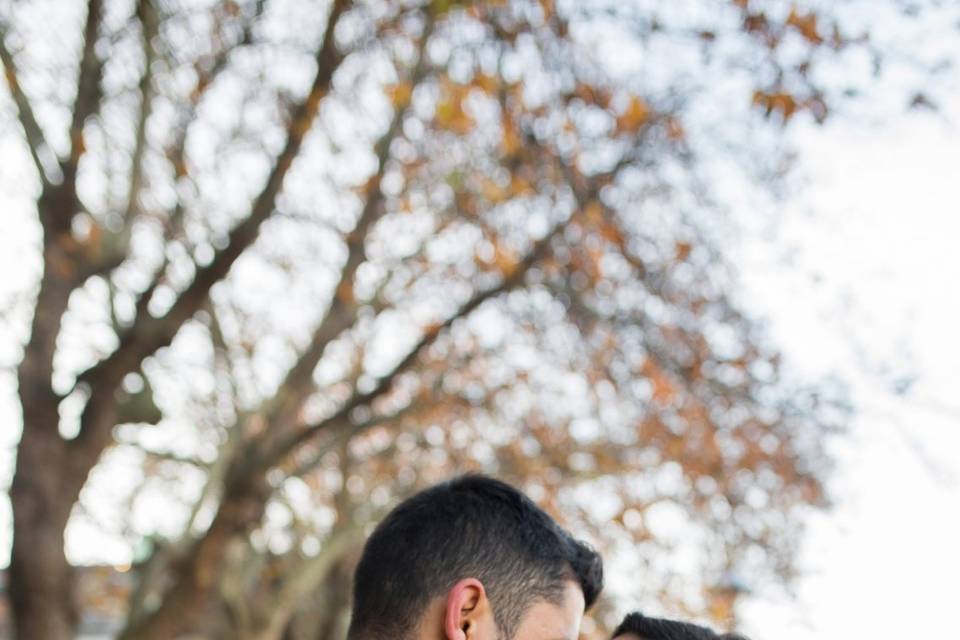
(549, 621)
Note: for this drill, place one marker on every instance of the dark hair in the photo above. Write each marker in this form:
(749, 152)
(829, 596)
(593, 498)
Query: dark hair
(469, 527)
(663, 629)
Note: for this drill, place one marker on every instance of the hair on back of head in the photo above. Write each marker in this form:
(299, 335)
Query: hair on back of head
(469, 527)
(663, 629)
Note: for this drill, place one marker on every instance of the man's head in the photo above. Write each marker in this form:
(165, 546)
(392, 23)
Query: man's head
(472, 559)
(637, 626)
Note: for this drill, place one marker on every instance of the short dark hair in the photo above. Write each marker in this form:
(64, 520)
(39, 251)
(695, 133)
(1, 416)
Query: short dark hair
(663, 629)
(471, 526)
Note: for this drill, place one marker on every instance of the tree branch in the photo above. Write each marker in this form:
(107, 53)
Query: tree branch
(111, 251)
(510, 281)
(345, 431)
(89, 94)
(234, 433)
(149, 334)
(167, 456)
(206, 77)
(149, 25)
(307, 574)
(343, 309)
(31, 128)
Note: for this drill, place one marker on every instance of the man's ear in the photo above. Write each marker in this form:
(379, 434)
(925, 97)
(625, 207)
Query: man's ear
(467, 610)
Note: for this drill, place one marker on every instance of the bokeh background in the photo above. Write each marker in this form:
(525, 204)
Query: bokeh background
(683, 271)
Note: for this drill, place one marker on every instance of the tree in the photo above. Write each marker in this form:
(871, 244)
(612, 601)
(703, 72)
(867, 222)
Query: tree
(335, 253)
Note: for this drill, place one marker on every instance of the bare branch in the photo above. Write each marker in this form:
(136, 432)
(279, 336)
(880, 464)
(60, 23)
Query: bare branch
(166, 456)
(343, 308)
(510, 281)
(89, 94)
(585, 188)
(206, 78)
(308, 573)
(345, 431)
(112, 251)
(31, 128)
(218, 470)
(176, 153)
(149, 334)
(149, 26)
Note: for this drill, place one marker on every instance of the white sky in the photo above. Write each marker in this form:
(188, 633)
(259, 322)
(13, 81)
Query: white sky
(860, 278)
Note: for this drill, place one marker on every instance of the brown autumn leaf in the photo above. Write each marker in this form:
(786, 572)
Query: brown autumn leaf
(486, 83)
(399, 94)
(592, 94)
(450, 113)
(510, 142)
(493, 191)
(776, 102)
(504, 258)
(593, 212)
(663, 388)
(520, 186)
(756, 23)
(634, 117)
(806, 24)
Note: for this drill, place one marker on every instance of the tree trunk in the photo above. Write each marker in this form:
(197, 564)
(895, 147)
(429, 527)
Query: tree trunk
(41, 580)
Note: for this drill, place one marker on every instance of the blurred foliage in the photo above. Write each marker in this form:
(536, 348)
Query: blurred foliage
(338, 251)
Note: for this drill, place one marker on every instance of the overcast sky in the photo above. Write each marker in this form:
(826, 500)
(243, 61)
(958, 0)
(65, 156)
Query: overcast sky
(860, 278)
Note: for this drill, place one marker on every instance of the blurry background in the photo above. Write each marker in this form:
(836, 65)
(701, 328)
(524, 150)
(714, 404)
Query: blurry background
(682, 271)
